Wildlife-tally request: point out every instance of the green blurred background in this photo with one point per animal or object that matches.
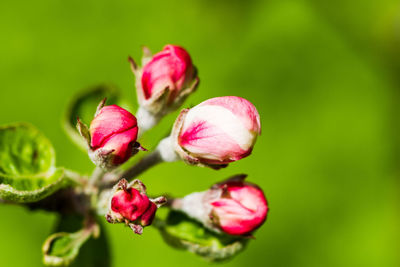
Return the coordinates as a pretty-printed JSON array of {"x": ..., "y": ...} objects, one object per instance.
[{"x": 324, "y": 76}]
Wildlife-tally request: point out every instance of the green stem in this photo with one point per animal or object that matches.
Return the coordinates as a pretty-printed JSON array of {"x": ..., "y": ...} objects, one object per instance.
[
  {"x": 144, "y": 164},
  {"x": 97, "y": 175},
  {"x": 75, "y": 177},
  {"x": 164, "y": 152}
]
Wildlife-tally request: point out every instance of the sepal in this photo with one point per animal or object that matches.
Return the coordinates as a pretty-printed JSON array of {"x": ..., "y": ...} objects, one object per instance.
[{"x": 83, "y": 130}]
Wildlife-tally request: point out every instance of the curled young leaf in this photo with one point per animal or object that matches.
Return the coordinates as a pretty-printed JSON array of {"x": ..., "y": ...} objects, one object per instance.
[
  {"x": 83, "y": 106},
  {"x": 73, "y": 246},
  {"x": 61, "y": 249},
  {"x": 27, "y": 164},
  {"x": 182, "y": 232}
]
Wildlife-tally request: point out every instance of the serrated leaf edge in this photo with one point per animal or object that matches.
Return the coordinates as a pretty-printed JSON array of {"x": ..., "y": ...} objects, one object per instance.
[{"x": 25, "y": 196}]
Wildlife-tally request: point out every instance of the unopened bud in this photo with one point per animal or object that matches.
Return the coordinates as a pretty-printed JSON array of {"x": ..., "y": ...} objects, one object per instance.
[
  {"x": 164, "y": 81},
  {"x": 234, "y": 207},
  {"x": 217, "y": 131},
  {"x": 113, "y": 134},
  {"x": 129, "y": 204}
]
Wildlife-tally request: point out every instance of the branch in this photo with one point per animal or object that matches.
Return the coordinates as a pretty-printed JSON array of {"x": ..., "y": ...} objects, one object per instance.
[
  {"x": 64, "y": 201},
  {"x": 144, "y": 164},
  {"x": 77, "y": 178},
  {"x": 164, "y": 152}
]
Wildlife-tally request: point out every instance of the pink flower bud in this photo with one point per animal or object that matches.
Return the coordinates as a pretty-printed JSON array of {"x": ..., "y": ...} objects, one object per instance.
[
  {"x": 233, "y": 206},
  {"x": 164, "y": 81},
  {"x": 171, "y": 68},
  {"x": 217, "y": 131},
  {"x": 130, "y": 204},
  {"x": 113, "y": 135},
  {"x": 241, "y": 208}
]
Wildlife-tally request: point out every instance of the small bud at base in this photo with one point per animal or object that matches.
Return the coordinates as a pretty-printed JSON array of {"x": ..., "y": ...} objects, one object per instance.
[{"x": 129, "y": 204}]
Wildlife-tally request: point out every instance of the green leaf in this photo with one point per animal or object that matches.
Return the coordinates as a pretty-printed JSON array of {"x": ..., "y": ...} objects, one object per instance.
[
  {"x": 77, "y": 248},
  {"x": 84, "y": 106},
  {"x": 94, "y": 253},
  {"x": 62, "y": 248},
  {"x": 182, "y": 232},
  {"x": 27, "y": 164}
]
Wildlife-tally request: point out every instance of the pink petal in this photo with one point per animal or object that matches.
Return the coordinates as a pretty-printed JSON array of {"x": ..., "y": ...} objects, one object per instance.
[
  {"x": 148, "y": 215},
  {"x": 122, "y": 144},
  {"x": 168, "y": 68},
  {"x": 210, "y": 143},
  {"x": 244, "y": 211},
  {"x": 110, "y": 120},
  {"x": 241, "y": 107}
]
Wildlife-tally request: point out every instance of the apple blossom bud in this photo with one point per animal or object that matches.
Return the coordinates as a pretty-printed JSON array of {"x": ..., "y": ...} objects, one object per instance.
[
  {"x": 241, "y": 208},
  {"x": 234, "y": 207},
  {"x": 171, "y": 68},
  {"x": 129, "y": 204},
  {"x": 113, "y": 134},
  {"x": 217, "y": 131},
  {"x": 163, "y": 83}
]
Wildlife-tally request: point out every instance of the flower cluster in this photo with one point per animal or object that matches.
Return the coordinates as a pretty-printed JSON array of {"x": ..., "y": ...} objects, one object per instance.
[
  {"x": 213, "y": 134},
  {"x": 214, "y": 223}
]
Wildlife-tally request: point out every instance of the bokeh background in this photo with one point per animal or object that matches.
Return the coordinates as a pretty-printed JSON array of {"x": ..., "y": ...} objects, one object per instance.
[{"x": 324, "y": 76}]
